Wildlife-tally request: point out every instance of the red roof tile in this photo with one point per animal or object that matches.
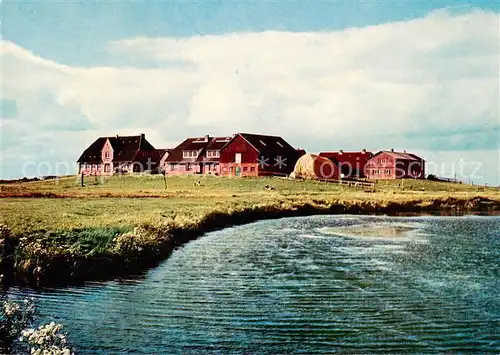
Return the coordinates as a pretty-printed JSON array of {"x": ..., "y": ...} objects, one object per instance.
[
  {"x": 125, "y": 148},
  {"x": 201, "y": 144},
  {"x": 351, "y": 158}
]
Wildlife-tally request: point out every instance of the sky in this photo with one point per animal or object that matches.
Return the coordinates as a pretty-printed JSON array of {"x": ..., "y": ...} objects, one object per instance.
[{"x": 326, "y": 75}]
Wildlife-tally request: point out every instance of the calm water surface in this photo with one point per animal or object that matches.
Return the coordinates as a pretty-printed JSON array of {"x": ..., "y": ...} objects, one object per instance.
[{"x": 302, "y": 285}]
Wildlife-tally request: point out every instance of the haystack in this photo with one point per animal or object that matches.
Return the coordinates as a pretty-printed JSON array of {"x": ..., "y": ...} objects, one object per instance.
[{"x": 314, "y": 167}]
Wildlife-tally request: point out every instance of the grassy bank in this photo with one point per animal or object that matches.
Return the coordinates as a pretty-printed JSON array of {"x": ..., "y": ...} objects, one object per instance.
[{"x": 121, "y": 225}]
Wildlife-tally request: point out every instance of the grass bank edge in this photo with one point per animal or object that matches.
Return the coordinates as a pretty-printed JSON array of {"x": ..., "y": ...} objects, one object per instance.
[{"x": 85, "y": 254}]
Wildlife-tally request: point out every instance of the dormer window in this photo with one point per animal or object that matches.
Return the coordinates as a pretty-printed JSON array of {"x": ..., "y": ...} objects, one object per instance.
[
  {"x": 189, "y": 154},
  {"x": 213, "y": 154}
]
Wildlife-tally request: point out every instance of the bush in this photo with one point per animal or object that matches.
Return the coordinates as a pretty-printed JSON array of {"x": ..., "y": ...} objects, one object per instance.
[
  {"x": 15, "y": 320},
  {"x": 46, "y": 340}
]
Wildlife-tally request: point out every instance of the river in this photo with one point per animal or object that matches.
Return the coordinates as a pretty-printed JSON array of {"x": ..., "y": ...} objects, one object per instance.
[{"x": 322, "y": 284}]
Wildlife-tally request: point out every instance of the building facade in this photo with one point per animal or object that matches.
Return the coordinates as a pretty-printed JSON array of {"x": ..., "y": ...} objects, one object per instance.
[
  {"x": 350, "y": 164},
  {"x": 119, "y": 154},
  {"x": 200, "y": 155},
  {"x": 257, "y": 155},
  {"x": 395, "y": 165}
]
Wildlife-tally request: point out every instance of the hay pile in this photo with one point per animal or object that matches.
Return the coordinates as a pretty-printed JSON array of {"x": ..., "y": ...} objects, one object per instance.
[{"x": 313, "y": 167}]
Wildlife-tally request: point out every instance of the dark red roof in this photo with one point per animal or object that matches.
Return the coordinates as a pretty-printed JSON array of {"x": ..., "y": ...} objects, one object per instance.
[
  {"x": 269, "y": 145},
  {"x": 92, "y": 155},
  {"x": 125, "y": 148},
  {"x": 218, "y": 142},
  {"x": 161, "y": 152},
  {"x": 201, "y": 144},
  {"x": 401, "y": 155},
  {"x": 351, "y": 158}
]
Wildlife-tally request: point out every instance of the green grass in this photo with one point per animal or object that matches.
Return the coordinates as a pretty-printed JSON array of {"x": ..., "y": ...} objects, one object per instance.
[
  {"x": 125, "y": 223},
  {"x": 127, "y": 201}
]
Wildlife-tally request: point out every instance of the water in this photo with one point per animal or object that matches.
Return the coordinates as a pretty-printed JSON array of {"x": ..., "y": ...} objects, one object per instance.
[{"x": 302, "y": 285}]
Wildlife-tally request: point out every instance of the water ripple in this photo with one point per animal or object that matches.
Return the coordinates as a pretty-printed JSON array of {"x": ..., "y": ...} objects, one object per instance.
[{"x": 303, "y": 285}]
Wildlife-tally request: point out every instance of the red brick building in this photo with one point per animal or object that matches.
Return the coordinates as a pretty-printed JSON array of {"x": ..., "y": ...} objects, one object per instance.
[
  {"x": 199, "y": 155},
  {"x": 351, "y": 164},
  {"x": 257, "y": 155},
  {"x": 395, "y": 165},
  {"x": 110, "y": 155}
]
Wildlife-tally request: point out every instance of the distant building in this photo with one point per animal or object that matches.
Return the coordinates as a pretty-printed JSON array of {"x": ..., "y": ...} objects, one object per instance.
[
  {"x": 118, "y": 154},
  {"x": 199, "y": 155},
  {"x": 351, "y": 164},
  {"x": 258, "y": 155},
  {"x": 395, "y": 165}
]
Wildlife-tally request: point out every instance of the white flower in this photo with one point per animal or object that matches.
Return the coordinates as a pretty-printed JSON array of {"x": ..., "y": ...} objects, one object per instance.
[{"x": 10, "y": 308}]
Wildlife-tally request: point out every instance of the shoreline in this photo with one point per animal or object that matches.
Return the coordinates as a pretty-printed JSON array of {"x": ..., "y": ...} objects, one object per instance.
[{"x": 27, "y": 262}]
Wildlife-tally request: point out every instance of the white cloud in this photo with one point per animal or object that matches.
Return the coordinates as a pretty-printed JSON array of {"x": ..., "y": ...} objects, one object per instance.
[{"x": 430, "y": 83}]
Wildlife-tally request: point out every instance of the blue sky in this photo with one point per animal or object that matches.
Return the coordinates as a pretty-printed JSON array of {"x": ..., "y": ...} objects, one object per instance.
[
  {"x": 75, "y": 32},
  {"x": 327, "y": 75}
]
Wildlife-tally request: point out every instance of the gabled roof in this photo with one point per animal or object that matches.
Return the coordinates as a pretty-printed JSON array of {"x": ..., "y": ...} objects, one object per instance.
[
  {"x": 351, "y": 158},
  {"x": 268, "y": 145},
  {"x": 201, "y": 144},
  {"x": 400, "y": 155},
  {"x": 125, "y": 148},
  {"x": 218, "y": 143},
  {"x": 162, "y": 152},
  {"x": 92, "y": 155}
]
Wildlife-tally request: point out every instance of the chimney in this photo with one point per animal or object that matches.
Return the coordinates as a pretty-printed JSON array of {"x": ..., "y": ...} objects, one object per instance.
[
  {"x": 341, "y": 151},
  {"x": 207, "y": 138},
  {"x": 404, "y": 151},
  {"x": 392, "y": 150},
  {"x": 363, "y": 151},
  {"x": 117, "y": 136},
  {"x": 143, "y": 136}
]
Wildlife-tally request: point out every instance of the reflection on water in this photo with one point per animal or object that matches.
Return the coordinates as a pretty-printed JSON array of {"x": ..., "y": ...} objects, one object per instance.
[
  {"x": 382, "y": 230},
  {"x": 302, "y": 285}
]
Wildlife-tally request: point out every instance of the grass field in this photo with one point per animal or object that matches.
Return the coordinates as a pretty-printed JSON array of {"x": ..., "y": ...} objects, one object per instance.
[
  {"x": 126, "y": 201},
  {"x": 119, "y": 224}
]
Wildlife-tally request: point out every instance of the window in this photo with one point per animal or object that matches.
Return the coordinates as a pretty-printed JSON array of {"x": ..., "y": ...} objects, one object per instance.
[
  {"x": 245, "y": 168},
  {"x": 94, "y": 167},
  {"x": 252, "y": 169},
  {"x": 106, "y": 154},
  {"x": 213, "y": 153},
  {"x": 237, "y": 158},
  {"x": 230, "y": 168},
  {"x": 190, "y": 154},
  {"x": 107, "y": 168}
]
